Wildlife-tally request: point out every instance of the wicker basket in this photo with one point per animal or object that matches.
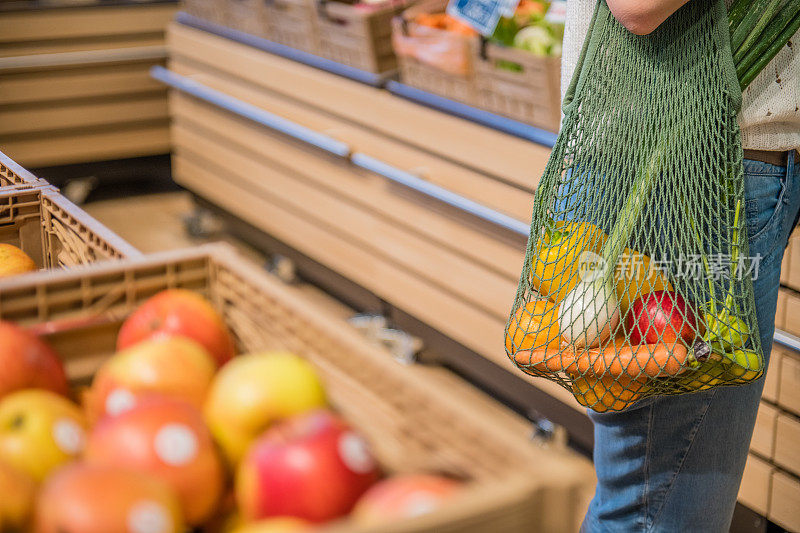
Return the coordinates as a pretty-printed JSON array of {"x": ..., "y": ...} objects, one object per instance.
[
  {"x": 246, "y": 16},
  {"x": 54, "y": 232},
  {"x": 358, "y": 35},
  {"x": 210, "y": 10},
  {"x": 293, "y": 23},
  {"x": 14, "y": 177},
  {"x": 412, "y": 424},
  {"x": 422, "y": 59},
  {"x": 529, "y": 94}
]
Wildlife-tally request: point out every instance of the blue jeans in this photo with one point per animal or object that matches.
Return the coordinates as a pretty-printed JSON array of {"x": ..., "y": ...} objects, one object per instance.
[{"x": 675, "y": 463}]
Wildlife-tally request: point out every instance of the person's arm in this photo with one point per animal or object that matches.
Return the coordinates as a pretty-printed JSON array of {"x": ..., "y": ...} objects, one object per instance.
[{"x": 643, "y": 16}]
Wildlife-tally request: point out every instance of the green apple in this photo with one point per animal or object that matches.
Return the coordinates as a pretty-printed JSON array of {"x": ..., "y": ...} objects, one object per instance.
[
  {"x": 39, "y": 431},
  {"x": 252, "y": 391}
]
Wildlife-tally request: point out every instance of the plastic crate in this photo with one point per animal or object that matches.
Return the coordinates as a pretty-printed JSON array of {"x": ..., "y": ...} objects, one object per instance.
[
  {"x": 54, "y": 232},
  {"x": 292, "y": 23},
  {"x": 529, "y": 93},
  {"x": 14, "y": 177},
  {"x": 210, "y": 10},
  {"x": 358, "y": 35},
  {"x": 434, "y": 60},
  {"x": 412, "y": 424}
]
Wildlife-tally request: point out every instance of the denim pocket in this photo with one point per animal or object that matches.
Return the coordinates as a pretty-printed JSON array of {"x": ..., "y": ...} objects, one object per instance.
[{"x": 764, "y": 187}]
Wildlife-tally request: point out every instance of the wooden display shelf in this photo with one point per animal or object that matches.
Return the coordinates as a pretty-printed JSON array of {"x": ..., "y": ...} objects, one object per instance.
[
  {"x": 455, "y": 273},
  {"x": 74, "y": 82}
]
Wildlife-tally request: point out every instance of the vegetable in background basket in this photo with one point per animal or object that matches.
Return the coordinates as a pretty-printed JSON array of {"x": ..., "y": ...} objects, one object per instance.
[{"x": 529, "y": 30}]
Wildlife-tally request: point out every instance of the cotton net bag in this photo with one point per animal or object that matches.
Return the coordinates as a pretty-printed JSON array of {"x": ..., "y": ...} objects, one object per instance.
[{"x": 637, "y": 278}]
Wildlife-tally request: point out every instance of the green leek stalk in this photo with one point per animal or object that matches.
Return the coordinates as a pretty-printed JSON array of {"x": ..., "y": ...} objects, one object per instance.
[
  {"x": 590, "y": 311},
  {"x": 752, "y": 18},
  {"x": 745, "y": 58},
  {"x": 755, "y": 32},
  {"x": 775, "y": 47},
  {"x": 736, "y": 13}
]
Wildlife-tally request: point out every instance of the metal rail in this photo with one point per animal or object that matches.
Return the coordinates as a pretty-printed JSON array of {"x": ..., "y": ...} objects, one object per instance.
[
  {"x": 439, "y": 193},
  {"x": 301, "y": 133},
  {"x": 249, "y": 111},
  {"x": 786, "y": 339}
]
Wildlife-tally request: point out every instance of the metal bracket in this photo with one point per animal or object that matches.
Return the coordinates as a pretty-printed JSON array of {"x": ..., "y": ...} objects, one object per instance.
[
  {"x": 283, "y": 268},
  {"x": 403, "y": 346},
  {"x": 545, "y": 432}
]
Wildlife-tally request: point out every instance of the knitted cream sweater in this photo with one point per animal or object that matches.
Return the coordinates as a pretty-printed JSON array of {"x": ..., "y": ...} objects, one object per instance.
[{"x": 770, "y": 116}]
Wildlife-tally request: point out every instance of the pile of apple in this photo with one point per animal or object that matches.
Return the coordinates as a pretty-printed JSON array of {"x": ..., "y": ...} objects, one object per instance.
[{"x": 175, "y": 433}]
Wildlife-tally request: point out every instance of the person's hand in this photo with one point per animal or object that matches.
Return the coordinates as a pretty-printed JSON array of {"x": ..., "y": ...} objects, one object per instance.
[{"x": 643, "y": 16}]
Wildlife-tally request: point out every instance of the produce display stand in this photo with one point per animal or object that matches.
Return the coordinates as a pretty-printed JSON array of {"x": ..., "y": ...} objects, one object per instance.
[
  {"x": 282, "y": 50},
  {"x": 445, "y": 105},
  {"x": 474, "y": 114},
  {"x": 14, "y": 177},
  {"x": 54, "y": 232},
  {"x": 357, "y": 36},
  {"x": 292, "y": 23},
  {"x": 74, "y": 83},
  {"x": 413, "y": 422},
  {"x": 531, "y": 93},
  {"x": 403, "y": 209}
]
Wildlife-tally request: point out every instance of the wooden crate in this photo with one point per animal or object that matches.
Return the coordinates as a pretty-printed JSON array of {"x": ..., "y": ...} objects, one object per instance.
[
  {"x": 293, "y": 23},
  {"x": 412, "y": 423},
  {"x": 436, "y": 61},
  {"x": 530, "y": 93},
  {"x": 14, "y": 177},
  {"x": 211, "y": 10},
  {"x": 246, "y": 16},
  {"x": 54, "y": 232},
  {"x": 358, "y": 35}
]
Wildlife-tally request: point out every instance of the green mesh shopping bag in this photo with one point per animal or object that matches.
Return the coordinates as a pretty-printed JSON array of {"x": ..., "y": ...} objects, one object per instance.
[{"x": 637, "y": 278}]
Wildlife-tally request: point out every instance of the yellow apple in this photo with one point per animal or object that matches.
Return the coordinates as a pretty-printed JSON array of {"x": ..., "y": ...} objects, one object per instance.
[
  {"x": 39, "y": 431},
  {"x": 16, "y": 505},
  {"x": 177, "y": 367},
  {"x": 252, "y": 391}
]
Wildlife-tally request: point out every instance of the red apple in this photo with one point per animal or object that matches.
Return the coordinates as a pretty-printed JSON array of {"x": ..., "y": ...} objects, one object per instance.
[
  {"x": 178, "y": 312},
  {"x": 313, "y": 466},
  {"x": 27, "y": 362},
  {"x": 404, "y": 497},
  {"x": 171, "y": 366},
  {"x": 94, "y": 499},
  {"x": 165, "y": 437},
  {"x": 664, "y": 316}
]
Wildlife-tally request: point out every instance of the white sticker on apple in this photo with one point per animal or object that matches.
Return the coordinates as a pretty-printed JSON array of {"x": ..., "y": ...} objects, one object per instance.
[
  {"x": 149, "y": 517},
  {"x": 355, "y": 453},
  {"x": 176, "y": 444},
  {"x": 68, "y": 436},
  {"x": 419, "y": 503},
  {"x": 119, "y": 401}
]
